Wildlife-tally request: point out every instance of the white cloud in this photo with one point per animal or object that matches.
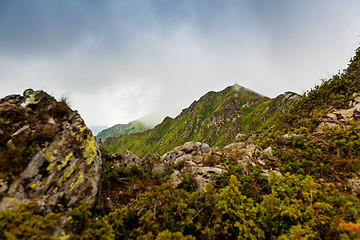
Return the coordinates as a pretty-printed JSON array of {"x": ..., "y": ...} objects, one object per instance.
[{"x": 120, "y": 60}]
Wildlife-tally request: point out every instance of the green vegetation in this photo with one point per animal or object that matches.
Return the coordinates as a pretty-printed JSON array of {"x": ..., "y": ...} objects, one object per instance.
[
  {"x": 310, "y": 200},
  {"x": 24, "y": 131},
  {"x": 216, "y": 118},
  {"x": 25, "y": 223},
  {"x": 331, "y": 154},
  {"x": 293, "y": 207},
  {"x": 124, "y": 129}
]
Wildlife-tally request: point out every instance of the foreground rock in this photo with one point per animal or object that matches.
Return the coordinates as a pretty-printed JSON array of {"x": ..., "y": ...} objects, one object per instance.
[
  {"x": 205, "y": 165},
  {"x": 339, "y": 118},
  {"x": 59, "y": 163}
]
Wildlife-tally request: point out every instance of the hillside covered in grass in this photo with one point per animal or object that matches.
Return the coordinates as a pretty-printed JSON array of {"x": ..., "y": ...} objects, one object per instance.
[
  {"x": 124, "y": 129},
  {"x": 297, "y": 177},
  {"x": 217, "y": 118}
]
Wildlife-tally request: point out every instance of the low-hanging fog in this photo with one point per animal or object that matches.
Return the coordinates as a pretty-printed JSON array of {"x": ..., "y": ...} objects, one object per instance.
[{"x": 117, "y": 61}]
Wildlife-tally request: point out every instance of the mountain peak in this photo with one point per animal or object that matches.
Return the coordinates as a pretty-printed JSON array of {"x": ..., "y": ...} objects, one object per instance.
[{"x": 237, "y": 87}]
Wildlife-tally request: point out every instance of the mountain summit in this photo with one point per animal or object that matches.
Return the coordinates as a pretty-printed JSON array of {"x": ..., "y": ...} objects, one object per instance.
[
  {"x": 136, "y": 126},
  {"x": 291, "y": 170},
  {"x": 216, "y": 118}
]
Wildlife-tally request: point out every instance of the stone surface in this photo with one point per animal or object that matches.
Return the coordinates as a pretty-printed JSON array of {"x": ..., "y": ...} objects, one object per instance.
[
  {"x": 268, "y": 152},
  {"x": 176, "y": 178},
  {"x": 354, "y": 184},
  {"x": 64, "y": 170},
  {"x": 322, "y": 125},
  {"x": 205, "y": 148},
  {"x": 129, "y": 159},
  {"x": 159, "y": 168}
]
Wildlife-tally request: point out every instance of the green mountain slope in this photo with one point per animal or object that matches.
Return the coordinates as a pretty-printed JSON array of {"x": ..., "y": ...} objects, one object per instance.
[
  {"x": 123, "y": 129},
  {"x": 297, "y": 178},
  {"x": 216, "y": 118},
  {"x": 320, "y": 134}
]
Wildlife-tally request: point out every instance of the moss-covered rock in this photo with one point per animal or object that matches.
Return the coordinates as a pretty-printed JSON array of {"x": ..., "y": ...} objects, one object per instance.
[{"x": 58, "y": 163}]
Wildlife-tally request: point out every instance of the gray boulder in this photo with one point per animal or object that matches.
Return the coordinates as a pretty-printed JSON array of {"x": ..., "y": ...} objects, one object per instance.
[{"x": 67, "y": 167}]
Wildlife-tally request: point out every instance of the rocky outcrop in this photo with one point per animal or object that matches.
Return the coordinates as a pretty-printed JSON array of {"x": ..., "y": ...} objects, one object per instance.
[
  {"x": 191, "y": 158},
  {"x": 338, "y": 117},
  {"x": 59, "y": 163},
  {"x": 198, "y": 160}
]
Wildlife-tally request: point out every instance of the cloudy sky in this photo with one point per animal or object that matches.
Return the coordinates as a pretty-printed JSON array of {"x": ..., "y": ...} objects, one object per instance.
[{"x": 118, "y": 60}]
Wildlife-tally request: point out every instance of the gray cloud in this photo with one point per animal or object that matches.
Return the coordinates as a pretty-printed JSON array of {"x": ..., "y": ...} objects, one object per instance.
[{"x": 120, "y": 60}]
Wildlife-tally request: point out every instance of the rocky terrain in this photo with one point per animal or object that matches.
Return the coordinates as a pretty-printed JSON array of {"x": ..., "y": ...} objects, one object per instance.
[
  {"x": 234, "y": 165},
  {"x": 216, "y": 118},
  {"x": 136, "y": 126},
  {"x": 48, "y": 155}
]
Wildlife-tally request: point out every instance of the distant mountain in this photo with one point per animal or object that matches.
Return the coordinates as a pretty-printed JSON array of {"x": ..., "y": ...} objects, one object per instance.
[
  {"x": 217, "y": 118},
  {"x": 291, "y": 170},
  {"x": 136, "y": 126}
]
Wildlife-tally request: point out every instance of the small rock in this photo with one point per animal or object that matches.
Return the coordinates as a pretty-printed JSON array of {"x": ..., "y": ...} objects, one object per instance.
[
  {"x": 267, "y": 173},
  {"x": 197, "y": 158},
  {"x": 357, "y": 107},
  {"x": 321, "y": 126},
  {"x": 11, "y": 203},
  {"x": 24, "y": 128},
  {"x": 184, "y": 158},
  {"x": 188, "y": 147},
  {"x": 3, "y": 186},
  {"x": 286, "y": 136},
  {"x": 277, "y": 173},
  {"x": 205, "y": 148},
  {"x": 355, "y": 185},
  {"x": 346, "y": 114},
  {"x": 261, "y": 162},
  {"x": 159, "y": 168},
  {"x": 129, "y": 159},
  {"x": 268, "y": 152},
  {"x": 235, "y": 145},
  {"x": 51, "y": 121},
  {"x": 332, "y": 116},
  {"x": 239, "y": 136},
  {"x": 251, "y": 147},
  {"x": 197, "y": 144},
  {"x": 176, "y": 179}
]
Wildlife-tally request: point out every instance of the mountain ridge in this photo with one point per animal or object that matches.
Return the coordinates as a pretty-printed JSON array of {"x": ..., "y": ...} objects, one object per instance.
[
  {"x": 139, "y": 125},
  {"x": 214, "y": 118},
  {"x": 295, "y": 175}
]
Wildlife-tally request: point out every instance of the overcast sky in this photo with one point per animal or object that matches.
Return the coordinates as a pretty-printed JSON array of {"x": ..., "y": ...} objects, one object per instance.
[{"x": 118, "y": 60}]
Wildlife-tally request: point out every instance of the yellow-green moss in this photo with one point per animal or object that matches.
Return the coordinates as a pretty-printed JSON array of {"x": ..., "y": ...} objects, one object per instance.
[
  {"x": 90, "y": 152},
  {"x": 82, "y": 128},
  {"x": 64, "y": 163},
  {"x": 70, "y": 171},
  {"x": 31, "y": 98},
  {"x": 47, "y": 156},
  {"x": 60, "y": 181},
  {"x": 50, "y": 166},
  {"x": 78, "y": 181}
]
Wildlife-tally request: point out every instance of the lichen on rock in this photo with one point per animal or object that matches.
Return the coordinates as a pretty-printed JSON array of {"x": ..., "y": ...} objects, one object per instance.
[{"x": 64, "y": 164}]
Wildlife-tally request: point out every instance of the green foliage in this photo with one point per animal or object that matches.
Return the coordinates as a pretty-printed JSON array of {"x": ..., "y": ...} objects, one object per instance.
[
  {"x": 134, "y": 204},
  {"x": 81, "y": 225},
  {"x": 238, "y": 213},
  {"x": 164, "y": 212},
  {"x": 136, "y": 126},
  {"x": 24, "y": 223},
  {"x": 26, "y": 129},
  {"x": 196, "y": 123}
]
